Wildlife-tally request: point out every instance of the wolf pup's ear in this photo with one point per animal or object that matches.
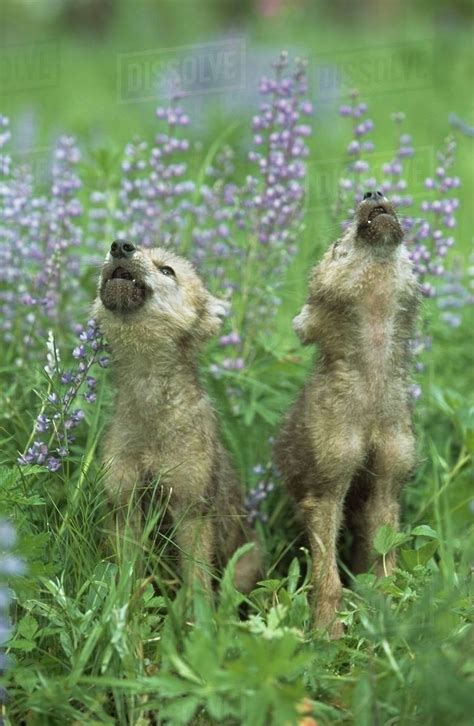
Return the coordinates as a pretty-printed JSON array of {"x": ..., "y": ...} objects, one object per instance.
[{"x": 215, "y": 310}]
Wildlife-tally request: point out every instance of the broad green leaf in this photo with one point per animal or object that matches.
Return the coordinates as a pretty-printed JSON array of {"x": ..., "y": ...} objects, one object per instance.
[
  {"x": 293, "y": 575},
  {"x": 276, "y": 616},
  {"x": 170, "y": 686},
  {"x": 425, "y": 530},
  {"x": 362, "y": 707},
  {"x": 229, "y": 597},
  {"x": 414, "y": 557},
  {"x": 218, "y": 707},
  {"x": 271, "y": 585},
  {"x": 387, "y": 539},
  {"x": 28, "y": 627},
  {"x": 184, "y": 670},
  {"x": 25, "y": 678},
  {"x": 23, "y": 644},
  {"x": 181, "y": 710}
]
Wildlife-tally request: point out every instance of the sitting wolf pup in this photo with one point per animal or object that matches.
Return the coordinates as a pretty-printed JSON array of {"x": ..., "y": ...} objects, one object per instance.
[
  {"x": 347, "y": 443},
  {"x": 156, "y": 314}
]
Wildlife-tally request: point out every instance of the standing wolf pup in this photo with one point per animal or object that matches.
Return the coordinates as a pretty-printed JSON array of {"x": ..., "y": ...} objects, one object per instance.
[
  {"x": 156, "y": 314},
  {"x": 347, "y": 442}
]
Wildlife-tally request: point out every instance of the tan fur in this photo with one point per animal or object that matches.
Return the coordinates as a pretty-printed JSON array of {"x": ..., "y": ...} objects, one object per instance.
[
  {"x": 347, "y": 442},
  {"x": 163, "y": 427}
]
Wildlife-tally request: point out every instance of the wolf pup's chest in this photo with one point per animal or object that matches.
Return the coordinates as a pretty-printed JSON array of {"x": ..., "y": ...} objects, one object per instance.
[{"x": 376, "y": 301}]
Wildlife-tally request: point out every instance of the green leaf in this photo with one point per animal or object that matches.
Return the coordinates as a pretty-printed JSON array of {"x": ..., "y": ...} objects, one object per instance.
[
  {"x": 180, "y": 711},
  {"x": 424, "y": 530},
  {"x": 34, "y": 545},
  {"x": 184, "y": 670},
  {"x": 412, "y": 558},
  {"x": 22, "y": 644},
  {"x": 426, "y": 552},
  {"x": 271, "y": 585},
  {"x": 269, "y": 416},
  {"x": 229, "y": 597},
  {"x": 7, "y": 477},
  {"x": 28, "y": 627},
  {"x": 218, "y": 707},
  {"x": 293, "y": 576},
  {"x": 285, "y": 598},
  {"x": 300, "y": 612},
  {"x": 33, "y": 469},
  {"x": 387, "y": 539},
  {"x": 276, "y": 616},
  {"x": 26, "y": 678},
  {"x": 170, "y": 686},
  {"x": 362, "y": 702},
  {"x": 440, "y": 400},
  {"x": 66, "y": 642},
  {"x": 469, "y": 441},
  {"x": 366, "y": 580},
  {"x": 256, "y": 709}
]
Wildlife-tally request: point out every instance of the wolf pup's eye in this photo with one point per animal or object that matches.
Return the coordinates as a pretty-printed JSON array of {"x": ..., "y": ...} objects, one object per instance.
[{"x": 167, "y": 271}]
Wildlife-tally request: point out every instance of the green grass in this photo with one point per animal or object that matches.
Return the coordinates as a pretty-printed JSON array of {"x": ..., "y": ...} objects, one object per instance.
[
  {"x": 106, "y": 639},
  {"x": 106, "y": 634}
]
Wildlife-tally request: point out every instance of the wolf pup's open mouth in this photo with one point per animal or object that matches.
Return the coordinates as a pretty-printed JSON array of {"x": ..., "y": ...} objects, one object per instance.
[
  {"x": 376, "y": 211},
  {"x": 121, "y": 292},
  {"x": 377, "y": 223},
  {"x": 120, "y": 273}
]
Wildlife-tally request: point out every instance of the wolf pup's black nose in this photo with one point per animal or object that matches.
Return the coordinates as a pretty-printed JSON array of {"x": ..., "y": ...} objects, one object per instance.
[
  {"x": 373, "y": 195},
  {"x": 121, "y": 248}
]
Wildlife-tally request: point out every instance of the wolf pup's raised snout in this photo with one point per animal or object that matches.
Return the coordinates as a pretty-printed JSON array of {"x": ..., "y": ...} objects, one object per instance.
[
  {"x": 346, "y": 446},
  {"x": 377, "y": 222},
  {"x": 122, "y": 248},
  {"x": 373, "y": 195},
  {"x": 156, "y": 314}
]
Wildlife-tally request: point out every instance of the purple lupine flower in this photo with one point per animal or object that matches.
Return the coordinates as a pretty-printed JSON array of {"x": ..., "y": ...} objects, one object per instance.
[
  {"x": 427, "y": 242},
  {"x": 415, "y": 391},
  {"x": 39, "y": 236},
  {"x": 429, "y": 237},
  {"x": 232, "y": 338},
  {"x": 59, "y": 233},
  {"x": 155, "y": 196},
  {"x": 233, "y": 364},
  {"x": 259, "y": 493},
  {"x": 454, "y": 294},
  {"x": 157, "y": 201},
  {"x": 216, "y": 215},
  {"x": 273, "y": 194},
  {"x": 58, "y": 417},
  {"x": 43, "y": 423},
  {"x": 53, "y": 464},
  {"x": 427, "y": 233}
]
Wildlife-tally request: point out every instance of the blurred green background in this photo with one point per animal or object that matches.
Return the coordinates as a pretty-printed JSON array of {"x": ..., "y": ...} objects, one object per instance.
[{"x": 65, "y": 66}]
